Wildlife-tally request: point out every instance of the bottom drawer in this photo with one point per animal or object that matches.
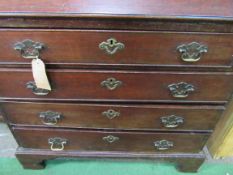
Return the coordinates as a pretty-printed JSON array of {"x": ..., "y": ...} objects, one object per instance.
[{"x": 84, "y": 140}]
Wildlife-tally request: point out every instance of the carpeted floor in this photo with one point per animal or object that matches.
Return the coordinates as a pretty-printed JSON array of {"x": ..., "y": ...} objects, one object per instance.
[{"x": 10, "y": 166}]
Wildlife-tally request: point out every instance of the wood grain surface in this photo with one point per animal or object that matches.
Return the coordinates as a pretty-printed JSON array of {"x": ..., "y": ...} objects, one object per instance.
[
  {"x": 149, "y": 8},
  {"x": 141, "y": 48},
  {"x": 136, "y": 86},
  {"x": 131, "y": 117},
  {"x": 93, "y": 140}
]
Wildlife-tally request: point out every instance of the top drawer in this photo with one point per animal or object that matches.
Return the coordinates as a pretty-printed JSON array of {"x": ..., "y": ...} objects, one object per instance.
[{"x": 121, "y": 48}]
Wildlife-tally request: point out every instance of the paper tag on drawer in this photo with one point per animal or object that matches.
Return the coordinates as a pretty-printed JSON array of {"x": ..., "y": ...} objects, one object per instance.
[{"x": 39, "y": 74}]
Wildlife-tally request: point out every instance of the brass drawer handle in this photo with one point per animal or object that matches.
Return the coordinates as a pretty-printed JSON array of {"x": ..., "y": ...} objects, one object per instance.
[
  {"x": 111, "y": 83},
  {"x": 110, "y": 138},
  {"x": 192, "y": 52},
  {"x": 57, "y": 143},
  {"x": 110, "y": 114},
  {"x": 29, "y": 49},
  {"x": 37, "y": 91},
  {"x": 172, "y": 121},
  {"x": 163, "y": 145},
  {"x": 181, "y": 90},
  {"x": 50, "y": 117},
  {"x": 111, "y": 46}
]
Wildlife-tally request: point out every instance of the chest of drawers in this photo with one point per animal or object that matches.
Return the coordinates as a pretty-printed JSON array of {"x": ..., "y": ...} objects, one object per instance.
[{"x": 130, "y": 79}]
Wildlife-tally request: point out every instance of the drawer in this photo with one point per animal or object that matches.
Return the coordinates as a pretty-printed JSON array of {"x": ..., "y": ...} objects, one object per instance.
[
  {"x": 121, "y": 47},
  {"x": 109, "y": 141},
  {"x": 130, "y": 117},
  {"x": 120, "y": 86}
]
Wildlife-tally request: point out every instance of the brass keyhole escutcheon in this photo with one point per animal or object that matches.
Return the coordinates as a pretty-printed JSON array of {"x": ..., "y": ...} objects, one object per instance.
[
  {"x": 172, "y": 121},
  {"x": 111, "y": 83},
  {"x": 111, "y": 46},
  {"x": 110, "y": 114},
  {"x": 111, "y": 138},
  {"x": 163, "y": 145}
]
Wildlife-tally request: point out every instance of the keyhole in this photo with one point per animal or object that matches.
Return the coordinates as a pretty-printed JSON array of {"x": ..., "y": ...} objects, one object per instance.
[{"x": 111, "y": 42}]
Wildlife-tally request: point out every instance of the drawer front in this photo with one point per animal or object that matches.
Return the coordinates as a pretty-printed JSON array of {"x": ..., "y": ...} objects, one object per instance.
[
  {"x": 121, "y": 85},
  {"x": 122, "y": 48},
  {"x": 109, "y": 141},
  {"x": 131, "y": 117}
]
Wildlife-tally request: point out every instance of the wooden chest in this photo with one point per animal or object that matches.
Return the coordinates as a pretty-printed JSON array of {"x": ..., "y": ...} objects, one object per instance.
[{"x": 130, "y": 79}]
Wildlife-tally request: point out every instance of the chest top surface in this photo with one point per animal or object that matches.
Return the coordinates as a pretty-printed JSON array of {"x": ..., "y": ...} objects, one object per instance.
[{"x": 194, "y": 9}]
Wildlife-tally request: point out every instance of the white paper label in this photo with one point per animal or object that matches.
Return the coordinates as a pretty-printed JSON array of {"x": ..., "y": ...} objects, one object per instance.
[{"x": 39, "y": 74}]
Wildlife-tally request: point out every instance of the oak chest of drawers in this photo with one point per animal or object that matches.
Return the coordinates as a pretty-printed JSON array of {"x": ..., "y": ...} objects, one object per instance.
[{"x": 129, "y": 79}]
